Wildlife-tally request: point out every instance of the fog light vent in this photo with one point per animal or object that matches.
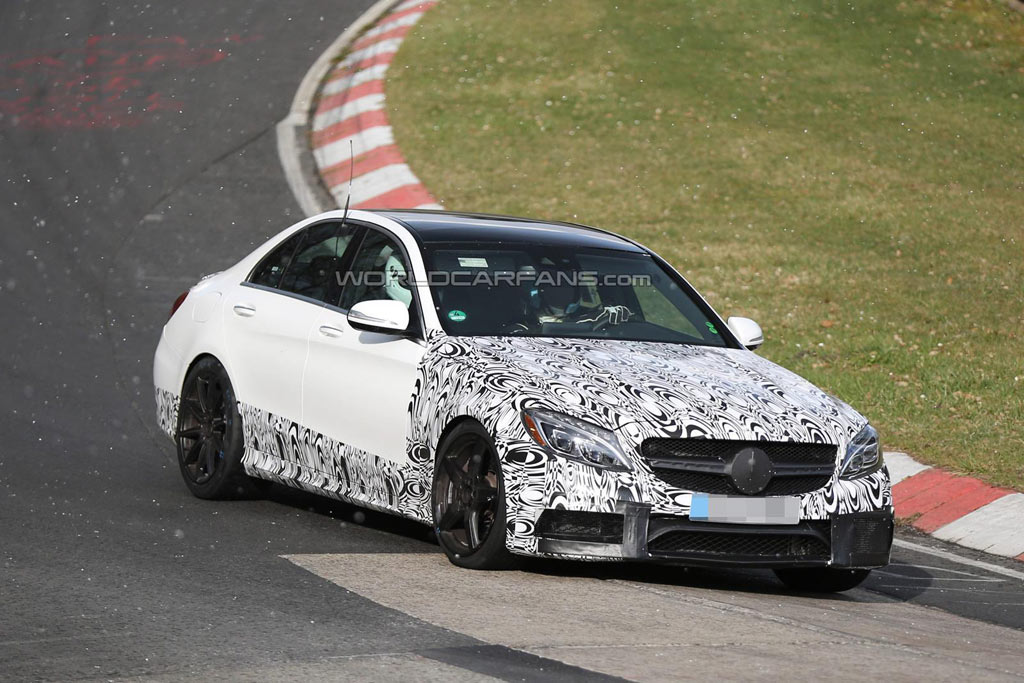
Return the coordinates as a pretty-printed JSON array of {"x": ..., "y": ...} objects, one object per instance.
[
  {"x": 570, "y": 525},
  {"x": 870, "y": 536}
]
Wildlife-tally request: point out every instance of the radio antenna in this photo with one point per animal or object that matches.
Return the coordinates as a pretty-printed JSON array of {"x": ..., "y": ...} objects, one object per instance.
[{"x": 351, "y": 172}]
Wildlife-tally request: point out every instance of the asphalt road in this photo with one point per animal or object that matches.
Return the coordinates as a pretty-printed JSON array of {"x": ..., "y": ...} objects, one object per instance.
[{"x": 138, "y": 153}]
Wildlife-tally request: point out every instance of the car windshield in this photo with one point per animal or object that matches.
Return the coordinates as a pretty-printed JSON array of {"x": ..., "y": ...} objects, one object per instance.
[{"x": 548, "y": 291}]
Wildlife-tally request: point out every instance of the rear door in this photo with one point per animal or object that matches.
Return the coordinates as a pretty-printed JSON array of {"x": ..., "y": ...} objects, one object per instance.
[{"x": 268, "y": 317}]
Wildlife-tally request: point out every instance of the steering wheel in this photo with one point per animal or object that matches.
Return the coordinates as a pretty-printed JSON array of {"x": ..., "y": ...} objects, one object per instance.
[{"x": 620, "y": 314}]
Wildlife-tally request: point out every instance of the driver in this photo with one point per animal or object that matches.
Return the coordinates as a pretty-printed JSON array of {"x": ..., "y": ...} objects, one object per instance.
[{"x": 559, "y": 298}]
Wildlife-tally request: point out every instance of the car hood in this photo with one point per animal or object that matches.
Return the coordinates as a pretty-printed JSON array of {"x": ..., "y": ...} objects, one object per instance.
[{"x": 672, "y": 389}]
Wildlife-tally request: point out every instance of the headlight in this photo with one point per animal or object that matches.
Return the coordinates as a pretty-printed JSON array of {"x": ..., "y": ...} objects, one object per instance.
[
  {"x": 863, "y": 455},
  {"x": 575, "y": 439}
]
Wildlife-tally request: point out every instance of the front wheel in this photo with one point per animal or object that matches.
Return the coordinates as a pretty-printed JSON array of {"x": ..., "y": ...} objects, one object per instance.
[
  {"x": 822, "y": 579},
  {"x": 469, "y": 500}
]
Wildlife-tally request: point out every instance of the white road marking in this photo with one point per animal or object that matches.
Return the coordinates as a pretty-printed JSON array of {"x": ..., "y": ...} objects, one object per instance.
[
  {"x": 891, "y": 568},
  {"x": 952, "y": 557}
]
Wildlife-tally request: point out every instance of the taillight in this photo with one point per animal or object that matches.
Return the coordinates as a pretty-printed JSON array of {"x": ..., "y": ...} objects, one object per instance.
[{"x": 177, "y": 303}]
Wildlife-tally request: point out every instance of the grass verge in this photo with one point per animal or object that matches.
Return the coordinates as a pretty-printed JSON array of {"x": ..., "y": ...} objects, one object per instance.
[{"x": 851, "y": 175}]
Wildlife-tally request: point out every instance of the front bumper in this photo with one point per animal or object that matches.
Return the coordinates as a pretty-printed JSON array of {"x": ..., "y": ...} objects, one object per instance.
[{"x": 861, "y": 539}]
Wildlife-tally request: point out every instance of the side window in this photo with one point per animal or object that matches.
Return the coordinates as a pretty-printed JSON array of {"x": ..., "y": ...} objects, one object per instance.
[
  {"x": 313, "y": 271},
  {"x": 269, "y": 271},
  {"x": 379, "y": 272}
]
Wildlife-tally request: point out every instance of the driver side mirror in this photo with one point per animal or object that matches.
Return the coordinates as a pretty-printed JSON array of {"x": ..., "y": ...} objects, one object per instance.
[
  {"x": 385, "y": 316},
  {"x": 747, "y": 331}
]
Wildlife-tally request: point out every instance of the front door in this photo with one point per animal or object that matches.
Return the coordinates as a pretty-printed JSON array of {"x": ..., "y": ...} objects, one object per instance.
[{"x": 358, "y": 385}]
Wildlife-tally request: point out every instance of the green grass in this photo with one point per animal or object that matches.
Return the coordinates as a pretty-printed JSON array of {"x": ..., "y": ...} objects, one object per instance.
[{"x": 851, "y": 175}]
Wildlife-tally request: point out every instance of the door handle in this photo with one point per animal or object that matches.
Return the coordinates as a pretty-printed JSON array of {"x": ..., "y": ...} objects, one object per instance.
[
  {"x": 329, "y": 331},
  {"x": 244, "y": 310}
]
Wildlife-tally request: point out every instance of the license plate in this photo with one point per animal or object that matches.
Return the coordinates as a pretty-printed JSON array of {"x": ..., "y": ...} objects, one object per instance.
[{"x": 739, "y": 510}]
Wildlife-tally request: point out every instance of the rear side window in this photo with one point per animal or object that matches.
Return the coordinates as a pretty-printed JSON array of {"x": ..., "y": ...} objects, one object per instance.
[
  {"x": 269, "y": 271},
  {"x": 314, "y": 268}
]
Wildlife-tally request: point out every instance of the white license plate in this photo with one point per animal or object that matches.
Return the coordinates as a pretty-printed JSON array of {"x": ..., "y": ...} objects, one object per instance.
[{"x": 740, "y": 510}]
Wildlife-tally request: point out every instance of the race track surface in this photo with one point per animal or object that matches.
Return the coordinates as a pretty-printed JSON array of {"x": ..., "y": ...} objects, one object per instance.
[{"x": 138, "y": 153}]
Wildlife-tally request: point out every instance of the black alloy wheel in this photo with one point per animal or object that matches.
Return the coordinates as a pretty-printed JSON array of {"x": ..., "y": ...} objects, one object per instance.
[
  {"x": 468, "y": 500},
  {"x": 209, "y": 433}
]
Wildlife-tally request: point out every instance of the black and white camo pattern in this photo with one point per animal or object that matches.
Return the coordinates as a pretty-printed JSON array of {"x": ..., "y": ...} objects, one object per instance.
[
  {"x": 167, "y": 411},
  {"x": 282, "y": 450},
  {"x": 639, "y": 389}
]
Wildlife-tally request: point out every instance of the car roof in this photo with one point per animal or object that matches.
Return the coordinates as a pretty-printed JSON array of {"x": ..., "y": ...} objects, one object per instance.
[{"x": 435, "y": 227}]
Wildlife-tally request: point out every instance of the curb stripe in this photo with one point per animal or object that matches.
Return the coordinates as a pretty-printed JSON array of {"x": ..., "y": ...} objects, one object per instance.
[
  {"x": 409, "y": 4},
  {"x": 349, "y": 109},
  {"x": 352, "y": 108},
  {"x": 338, "y": 152},
  {"x": 342, "y": 72},
  {"x": 348, "y": 128},
  {"x": 353, "y": 93},
  {"x": 994, "y": 528},
  {"x": 397, "y": 32},
  {"x": 948, "y": 499},
  {"x": 373, "y": 73},
  {"x": 375, "y": 183},
  {"x": 962, "y": 510},
  {"x": 974, "y": 496},
  {"x": 902, "y": 466},
  {"x": 408, "y": 196},
  {"x": 397, "y": 19},
  {"x": 378, "y": 158},
  {"x": 384, "y": 47}
]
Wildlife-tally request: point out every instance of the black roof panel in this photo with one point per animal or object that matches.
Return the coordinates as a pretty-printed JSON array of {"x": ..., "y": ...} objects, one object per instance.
[{"x": 432, "y": 227}]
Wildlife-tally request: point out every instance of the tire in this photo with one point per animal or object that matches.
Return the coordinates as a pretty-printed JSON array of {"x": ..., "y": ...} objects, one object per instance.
[
  {"x": 209, "y": 434},
  {"x": 822, "y": 579},
  {"x": 468, "y": 493}
]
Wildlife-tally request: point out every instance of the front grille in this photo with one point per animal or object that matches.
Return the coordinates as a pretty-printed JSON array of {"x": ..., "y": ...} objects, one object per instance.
[
  {"x": 749, "y": 546},
  {"x": 702, "y": 464},
  {"x": 780, "y": 452},
  {"x": 717, "y": 483}
]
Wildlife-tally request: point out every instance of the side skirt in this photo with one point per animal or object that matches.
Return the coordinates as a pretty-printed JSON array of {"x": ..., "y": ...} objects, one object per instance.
[{"x": 281, "y": 450}]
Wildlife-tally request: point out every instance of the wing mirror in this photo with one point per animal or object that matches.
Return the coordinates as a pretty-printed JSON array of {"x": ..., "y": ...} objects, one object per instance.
[
  {"x": 747, "y": 331},
  {"x": 381, "y": 315}
]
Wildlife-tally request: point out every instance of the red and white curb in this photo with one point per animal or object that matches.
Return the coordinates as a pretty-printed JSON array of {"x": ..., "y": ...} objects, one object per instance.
[
  {"x": 962, "y": 510},
  {"x": 351, "y": 110}
]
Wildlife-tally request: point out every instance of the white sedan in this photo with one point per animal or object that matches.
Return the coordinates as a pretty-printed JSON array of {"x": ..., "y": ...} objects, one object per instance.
[{"x": 527, "y": 388}]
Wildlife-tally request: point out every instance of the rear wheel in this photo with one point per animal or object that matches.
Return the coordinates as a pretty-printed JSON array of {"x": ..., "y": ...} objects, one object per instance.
[
  {"x": 209, "y": 434},
  {"x": 469, "y": 500},
  {"x": 822, "y": 579}
]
